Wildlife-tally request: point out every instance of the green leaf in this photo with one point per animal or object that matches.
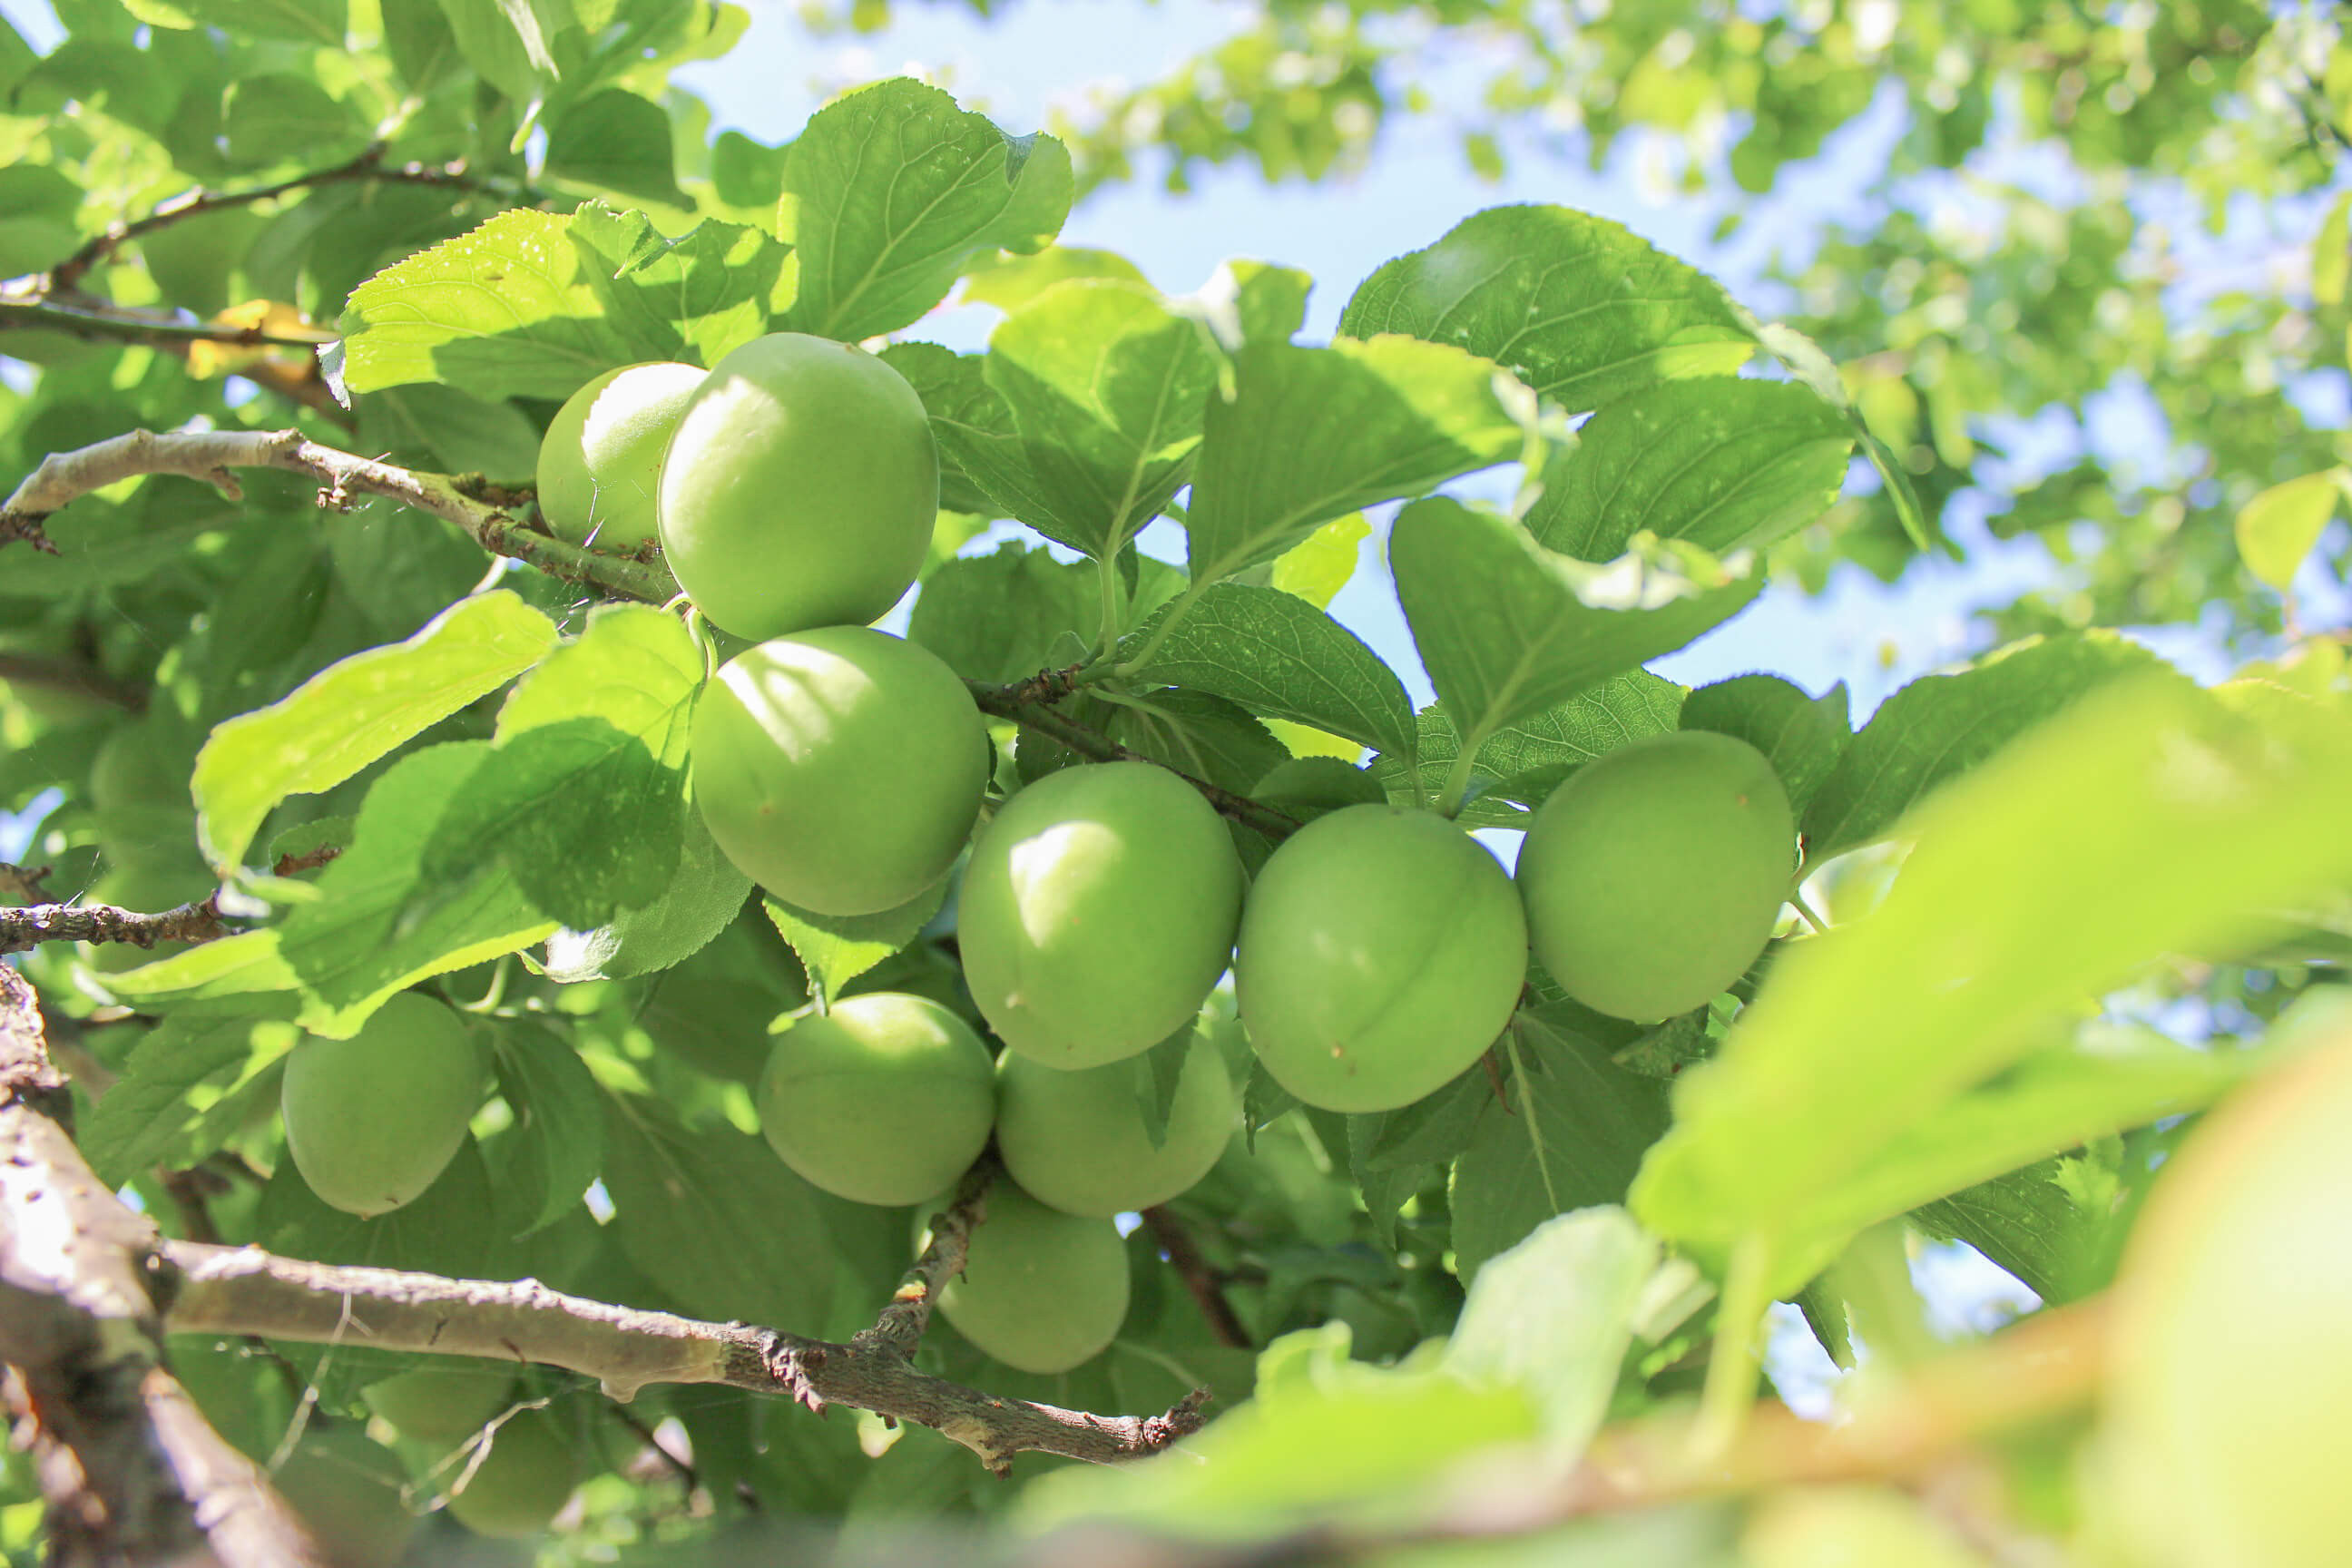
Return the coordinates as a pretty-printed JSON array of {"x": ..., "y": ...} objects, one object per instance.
[
  {"x": 704, "y": 898},
  {"x": 175, "y": 1076},
  {"x": 356, "y": 711},
  {"x": 1157, "y": 1073},
  {"x": 295, "y": 21},
  {"x": 502, "y": 40},
  {"x": 278, "y": 117},
  {"x": 1253, "y": 303},
  {"x": 1311, "y": 434},
  {"x": 1577, "y": 306},
  {"x": 618, "y": 140},
  {"x": 890, "y": 190},
  {"x": 2279, "y": 527},
  {"x": 1009, "y": 282},
  {"x": 1005, "y": 615},
  {"x": 982, "y": 454},
  {"x": 416, "y": 35},
  {"x": 693, "y": 298},
  {"x": 1519, "y": 764},
  {"x": 713, "y": 1219},
  {"x": 556, "y": 1146},
  {"x": 365, "y": 938},
  {"x": 1571, "y": 1137},
  {"x": 1194, "y": 732},
  {"x": 2331, "y": 253},
  {"x": 1554, "y": 1317},
  {"x": 2024, "y": 1221},
  {"x": 448, "y": 1229},
  {"x": 1430, "y": 1132},
  {"x": 1812, "y": 365},
  {"x": 1803, "y": 736},
  {"x": 1850, "y": 1090},
  {"x": 1280, "y": 657},
  {"x": 581, "y": 798},
  {"x": 1263, "y": 1100},
  {"x": 1319, "y": 567},
  {"x": 1106, "y": 388},
  {"x": 1724, "y": 463},
  {"x": 512, "y": 308},
  {"x": 837, "y": 949},
  {"x": 1940, "y": 726},
  {"x": 447, "y": 429},
  {"x": 1507, "y": 629}
]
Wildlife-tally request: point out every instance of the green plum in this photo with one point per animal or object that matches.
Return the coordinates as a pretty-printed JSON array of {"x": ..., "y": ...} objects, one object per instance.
[
  {"x": 1381, "y": 953},
  {"x": 1654, "y": 876},
  {"x": 1098, "y": 909},
  {"x": 2228, "y": 1375},
  {"x": 522, "y": 1483},
  {"x": 373, "y": 1119},
  {"x": 600, "y": 462},
  {"x": 884, "y": 1099},
  {"x": 1041, "y": 1290},
  {"x": 1075, "y": 1141},
  {"x": 347, "y": 1488},
  {"x": 444, "y": 1400},
  {"x": 841, "y": 769},
  {"x": 801, "y": 488}
]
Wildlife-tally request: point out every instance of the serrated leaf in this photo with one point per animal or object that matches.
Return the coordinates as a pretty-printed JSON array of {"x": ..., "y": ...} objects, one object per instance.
[
  {"x": 1576, "y": 306},
  {"x": 581, "y": 798},
  {"x": 1311, "y": 434},
  {"x": 2024, "y": 1221},
  {"x": 1005, "y": 615},
  {"x": 1432, "y": 1130},
  {"x": 1280, "y": 657},
  {"x": 1571, "y": 1137},
  {"x": 692, "y": 298},
  {"x": 556, "y": 1146},
  {"x": 1812, "y": 365},
  {"x": 1724, "y": 463},
  {"x": 1665, "y": 1051},
  {"x": 1917, "y": 1047},
  {"x": 510, "y": 309},
  {"x": 1507, "y": 629},
  {"x": 1519, "y": 764},
  {"x": 980, "y": 451},
  {"x": 176, "y": 1075},
  {"x": 1802, "y": 736},
  {"x": 703, "y": 899},
  {"x": 837, "y": 949},
  {"x": 890, "y": 190},
  {"x": 1940, "y": 726},
  {"x": 1263, "y": 1100},
  {"x": 713, "y": 1219},
  {"x": 1194, "y": 732},
  {"x": 355, "y": 711},
  {"x": 1157, "y": 1073},
  {"x": 2279, "y": 527},
  {"x": 1106, "y": 388},
  {"x": 616, "y": 139}
]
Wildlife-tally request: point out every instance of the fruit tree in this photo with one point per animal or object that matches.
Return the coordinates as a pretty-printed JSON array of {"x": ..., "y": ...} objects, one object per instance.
[{"x": 607, "y": 824}]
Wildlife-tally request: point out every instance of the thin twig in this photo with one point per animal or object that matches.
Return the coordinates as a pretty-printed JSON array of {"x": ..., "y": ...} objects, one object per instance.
[
  {"x": 1200, "y": 1278},
  {"x": 681, "y": 1469},
  {"x": 899, "y": 1328},
  {"x": 23, "y": 883},
  {"x": 73, "y": 678},
  {"x": 22, "y": 311}
]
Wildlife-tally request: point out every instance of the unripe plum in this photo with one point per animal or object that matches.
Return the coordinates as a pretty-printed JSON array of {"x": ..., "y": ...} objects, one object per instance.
[
  {"x": 1654, "y": 876},
  {"x": 347, "y": 1488},
  {"x": 1075, "y": 1141},
  {"x": 2231, "y": 1378},
  {"x": 600, "y": 462},
  {"x": 371, "y": 1122},
  {"x": 801, "y": 488},
  {"x": 522, "y": 1483},
  {"x": 444, "y": 1401},
  {"x": 1097, "y": 912},
  {"x": 884, "y": 1099},
  {"x": 1041, "y": 1290},
  {"x": 1381, "y": 953},
  {"x": 840, "y": 769}
]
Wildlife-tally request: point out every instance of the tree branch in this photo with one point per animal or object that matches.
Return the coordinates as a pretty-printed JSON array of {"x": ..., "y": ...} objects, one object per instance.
[
  {"x": 1184, "y": 1257},
  {"x": 73, "y": 678},
  {"x": 128, "y": 1470},
  {"x": 23, "y": 883},
  {"x": 369, "y": 165},
  {"x": 29, "y": 927},
  {"x": 24, "y": 311}
]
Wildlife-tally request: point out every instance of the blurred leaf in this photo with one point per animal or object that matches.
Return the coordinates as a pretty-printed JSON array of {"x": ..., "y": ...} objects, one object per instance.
[
  {"x": 712, "y": 1217},
  {"x": 1724, "y": 463},
  {"x": 1280, "y": 657},
  {"x": 837, "y": 949},
  {"x": 1105, "y": 388},
  {"x": 556, "y": 1146},
  {"x": 581, "y": 797},
  {"x": 895, "y": 188},
  {"x": 618, "y": 140},
  {"x": 1856, "y": 1085},
  {"x": 179, "y": 1070},
  {"x": 2024, "y": 1221},
  {"x": 278, "y": 117},
  {"x": 1005, "y": 615},
  {"x": 1507, "y": 629},
  {"x": 1318, "y": 567},
  {"x": 1803, "y": 736},
  {"x": 1253, "y": 303},
  {"x": 1576, "y": 306},
  {"x": 501, "y": 40},
  {"x": 1312, "y": 434},
  {"x": 1432, "y": 1130},
  {"x": 356, "y": 711},
  {"x": 2279, "y": 527},
  {"x": 1157, "y": 1073},
  {"x": 2331, "y": 253},
  {"x": 1009, "y": 282},
  {"x": 1571, "y": 1137},
  {"x": 1942, "y": 726}
]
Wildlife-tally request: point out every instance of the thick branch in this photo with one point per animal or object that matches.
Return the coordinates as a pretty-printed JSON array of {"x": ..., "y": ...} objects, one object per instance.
[
  {"x": 26, "y": 928},
  {"x": 369, "y": 165},
  {"x": 214, "y": 457}
]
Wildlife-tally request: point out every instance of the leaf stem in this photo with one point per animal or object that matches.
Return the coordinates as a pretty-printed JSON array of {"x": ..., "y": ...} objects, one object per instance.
[
  {"x": 1730, "y": 1385},
  {"x": 1527, "y": 1106},
  {"x": 1177, "y": 608},
  {"x": 1805, "y": 913},
  {"x": 1114, "y": 607},
  {"x": 1457, "y": 782}
]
